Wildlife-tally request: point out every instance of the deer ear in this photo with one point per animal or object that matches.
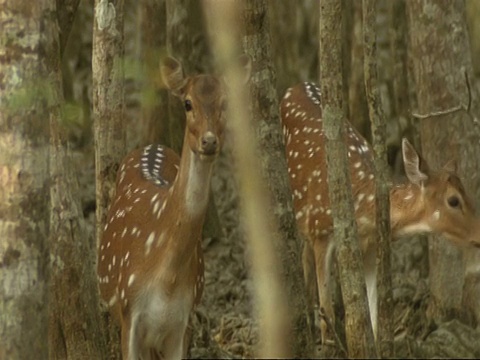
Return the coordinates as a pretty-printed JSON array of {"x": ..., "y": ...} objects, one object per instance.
[
  {"x": 173, "y": 76},
  {"x": 415, "y": 167},
  {"x": 246, "y": 65},
  {"x": 451, "y": 166}
]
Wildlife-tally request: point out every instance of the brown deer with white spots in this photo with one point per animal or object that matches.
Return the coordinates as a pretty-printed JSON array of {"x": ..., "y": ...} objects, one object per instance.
[
  {"x": 429, "y": 202},
  {"x": 150, "y": 261}
]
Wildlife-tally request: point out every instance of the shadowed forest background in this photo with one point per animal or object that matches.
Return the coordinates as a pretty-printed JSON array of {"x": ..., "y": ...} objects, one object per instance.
[{"x": 80, "y": 89}]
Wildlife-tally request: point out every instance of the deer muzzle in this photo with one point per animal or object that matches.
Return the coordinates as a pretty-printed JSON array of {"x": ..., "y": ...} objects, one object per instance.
[{"x": 209, "y": 143}]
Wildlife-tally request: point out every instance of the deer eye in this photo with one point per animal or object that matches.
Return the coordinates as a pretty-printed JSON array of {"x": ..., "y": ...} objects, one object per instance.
[
  {"x": 453, "y": 201},
  {"x": 188, "y": 105}
]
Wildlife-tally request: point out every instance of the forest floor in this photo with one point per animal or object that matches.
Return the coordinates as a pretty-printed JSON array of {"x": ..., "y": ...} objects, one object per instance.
[{"x": 223, "y": 325}]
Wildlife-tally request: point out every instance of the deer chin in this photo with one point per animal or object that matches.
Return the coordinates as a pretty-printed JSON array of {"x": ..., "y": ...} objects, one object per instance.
[{"x": 207, "y": 157}]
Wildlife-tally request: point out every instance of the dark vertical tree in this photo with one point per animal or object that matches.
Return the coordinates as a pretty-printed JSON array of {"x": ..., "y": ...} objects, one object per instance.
[
  {"x": 357, "y": 101},
  {"x": 271, "y": 305},
  {"x": 66, "y": 11},
  {"x": 153, "y": 19},
  {"x": 447, "y": 109},
  {"x": 382, "y": 179},
  {"x": 26, "y": 105},
  {"x": 257, "y": 44},
  {"x": 360, "y": 341},
  {"x": 74, "y": 318},
  {"x": 75, "y": 329},
  {"x": 294, "y": 37},
  {"x": 108, "y": 111}
]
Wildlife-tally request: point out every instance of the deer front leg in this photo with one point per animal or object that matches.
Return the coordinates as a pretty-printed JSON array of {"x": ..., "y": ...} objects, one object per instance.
[
  {"x": 308, "y": 262},
  {"x": 130, "y": 350},
  {"x": 323, "y": 251},
  {"x": 370, "y": 268}
]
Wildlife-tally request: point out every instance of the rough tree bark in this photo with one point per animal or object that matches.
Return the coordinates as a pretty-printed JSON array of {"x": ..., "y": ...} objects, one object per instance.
[
  {"x": 74, "y": 318},
  {"x": 108, "y": 101},
  {"x": 108, "y": 112},
  {"x": 382, "y": 180},
  {"x": 66, "y": 10},
  {"x": 257, "y": 44},
  {"x": 26, "y": 41},
  {"x": 439, "y": 43},
  {"x": 271, "y": 304},
  {"x": 357, "y": 101},
  {"x": 360, "y": 341},
  {"x": 294, "y": 36},
  {"x": 75, "y": 329}
]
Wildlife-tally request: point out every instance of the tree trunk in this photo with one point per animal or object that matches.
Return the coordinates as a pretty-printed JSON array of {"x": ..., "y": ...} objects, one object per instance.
[
  {"x": 66, "y": 10},
  {"x": 25, "y": 78},
  {"x": 74, "y": 320},
  {"x": 382, "y": 180},
  {"x": 108, "y": 101},
  {"x": 271, "y": 305},
  {"x": 357, "y": 101},
  {"x": 75, "y": 329},
  {"x": 439, "y": 43},
  {"x": 108, "y": 112},
  {"x": 153, "y": 21},
  {"x": 294, "y": 37},
  {"x": 257, "y": 45},
  {"x": 360, "y": 341}
]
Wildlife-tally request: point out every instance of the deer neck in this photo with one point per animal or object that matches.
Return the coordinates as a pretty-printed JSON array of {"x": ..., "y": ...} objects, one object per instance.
[
  {"x": 191, "y": 189},
  {"x": 407, "y": 210},
  {"x": 188, "y": 202}
]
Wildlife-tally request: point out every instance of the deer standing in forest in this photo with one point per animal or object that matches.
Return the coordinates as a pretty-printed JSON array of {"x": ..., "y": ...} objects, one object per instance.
[
  {"x": 150, "y": 261},
  {"x": 430, "y": 202}
]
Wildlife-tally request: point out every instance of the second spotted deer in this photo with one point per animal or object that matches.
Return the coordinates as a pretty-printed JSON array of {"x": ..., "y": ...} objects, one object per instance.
[
  {"x": 431, "y": 201},
  {"x": 150, "y": 261}
]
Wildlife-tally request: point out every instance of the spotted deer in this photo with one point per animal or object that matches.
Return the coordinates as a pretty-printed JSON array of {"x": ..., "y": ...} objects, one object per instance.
[
  {"x": 150, "y": 260},
  {"x": 429, "y": 202}
]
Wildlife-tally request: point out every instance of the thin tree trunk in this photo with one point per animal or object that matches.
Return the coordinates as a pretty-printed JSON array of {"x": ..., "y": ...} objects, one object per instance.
[
  {"x": 293, "y": 29},
  {"x": 357, "y": 101},
  {"x": 257, "y": 45},
  {"x": 66, "y": 10},
  {"x": 284, "y": 24},
  {"x": 108, "y": 112},
  {"x": 108, "y": 101},
  {"x": 360, "y": 341},
  {"x": 271, "y": 304},
  {"x": 27, "y": 41},
  {"x": 382, "y": 180},
  {"x": 74, "y": 319},
  {"x": 439, "y": 43},
  {"x": 75, "y": 329}
]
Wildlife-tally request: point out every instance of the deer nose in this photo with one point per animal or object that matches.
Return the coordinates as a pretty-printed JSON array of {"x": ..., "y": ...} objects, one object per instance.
[{"x": 209, "y": 143}]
